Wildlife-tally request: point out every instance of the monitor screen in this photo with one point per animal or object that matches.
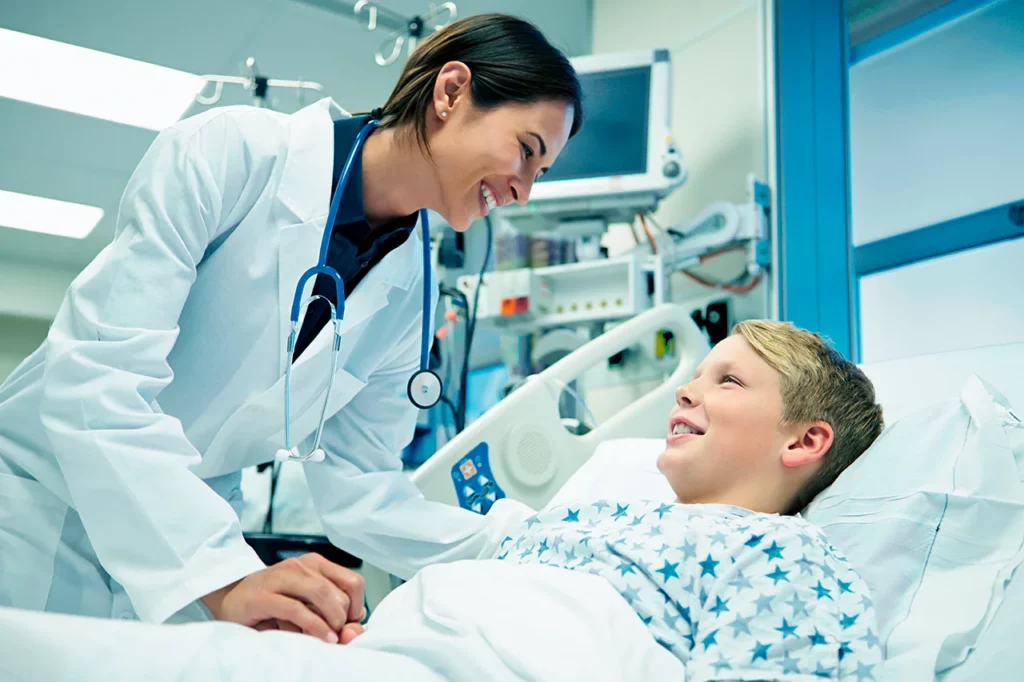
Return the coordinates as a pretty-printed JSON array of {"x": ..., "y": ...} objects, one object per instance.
[{"x": 613, "y": 139}]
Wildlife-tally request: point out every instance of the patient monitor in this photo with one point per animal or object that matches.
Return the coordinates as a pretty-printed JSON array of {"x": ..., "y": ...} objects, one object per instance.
[{"x": 623, "y": 160}]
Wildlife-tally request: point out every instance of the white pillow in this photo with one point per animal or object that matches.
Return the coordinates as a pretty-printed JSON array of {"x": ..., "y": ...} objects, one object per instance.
[
  {"x": 623, "y": 468},
  {"x": 932, "y": 517}
]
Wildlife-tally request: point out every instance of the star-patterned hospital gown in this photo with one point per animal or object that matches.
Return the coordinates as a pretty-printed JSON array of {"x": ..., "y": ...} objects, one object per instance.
[{"x": 734, "y": 594}]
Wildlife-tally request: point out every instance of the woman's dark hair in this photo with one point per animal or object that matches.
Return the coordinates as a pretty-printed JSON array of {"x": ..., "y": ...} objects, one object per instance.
[{"x": 510, "y": 61}]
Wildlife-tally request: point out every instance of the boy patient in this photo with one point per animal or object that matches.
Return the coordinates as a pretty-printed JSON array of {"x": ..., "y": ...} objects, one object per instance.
[{"x": 728, "y": 578}]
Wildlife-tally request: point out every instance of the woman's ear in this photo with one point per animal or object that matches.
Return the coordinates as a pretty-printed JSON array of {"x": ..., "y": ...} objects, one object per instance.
[
  {"x": 809, "y": 444},
  {"x": 452, "y": 84}
]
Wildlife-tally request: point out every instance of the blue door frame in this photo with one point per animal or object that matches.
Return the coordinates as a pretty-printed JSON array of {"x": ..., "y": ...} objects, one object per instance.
[{"x": 812, "y": 188}]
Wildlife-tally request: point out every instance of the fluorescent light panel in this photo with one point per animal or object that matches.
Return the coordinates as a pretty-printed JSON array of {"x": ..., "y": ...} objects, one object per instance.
[
  {"x": 83, "y": 81},
  {"x": 49, "y": 216}
]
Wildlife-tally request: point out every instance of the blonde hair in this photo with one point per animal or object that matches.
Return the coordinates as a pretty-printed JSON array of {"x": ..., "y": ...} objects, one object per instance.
[{"x": 818, "y": 384}]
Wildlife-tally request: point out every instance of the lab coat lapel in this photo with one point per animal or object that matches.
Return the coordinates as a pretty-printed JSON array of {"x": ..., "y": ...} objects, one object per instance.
[{"x": 311, "y": 372}]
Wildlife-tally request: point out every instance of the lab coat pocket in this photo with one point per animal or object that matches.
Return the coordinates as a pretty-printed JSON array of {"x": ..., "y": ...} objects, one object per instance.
[
  {"x": 304, "y": 424},
  {"x": 31, "y": 521}
]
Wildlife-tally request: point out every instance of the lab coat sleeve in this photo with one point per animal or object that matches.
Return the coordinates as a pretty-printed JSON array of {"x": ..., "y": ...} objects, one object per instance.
[
  {"x": 158, "y": 529},
  {"x": 368, "y": 505}
]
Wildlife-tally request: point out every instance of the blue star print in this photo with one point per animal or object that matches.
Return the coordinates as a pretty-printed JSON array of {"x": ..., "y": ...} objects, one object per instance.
[
  {"x": 778, "y": 574},
  {"x": 764, "y": 603},
  {"x": 773, "y": 552},
  {"x": 739, "y": 625},
  {"x": 789, "y": 665},
  {"x": 668, "y": 570},
  {"x": 864, "y": 671},
  {"x": 720, "y": 607},
  {"x": 798, "y": 604},
  {"x": 786, "y": 630},
  {"x": 817, "y": 638},
  {"x": 805, "y": 565},
  {"x": 662, "y": 510},
  {"x": 706, "y": 582}
]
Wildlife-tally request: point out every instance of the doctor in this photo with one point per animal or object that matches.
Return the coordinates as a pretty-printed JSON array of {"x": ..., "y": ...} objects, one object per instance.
[{"x": 165, "y": 373}]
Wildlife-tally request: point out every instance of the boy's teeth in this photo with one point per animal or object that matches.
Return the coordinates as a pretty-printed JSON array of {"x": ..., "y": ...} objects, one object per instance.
[{"x": 679, "y": 429}]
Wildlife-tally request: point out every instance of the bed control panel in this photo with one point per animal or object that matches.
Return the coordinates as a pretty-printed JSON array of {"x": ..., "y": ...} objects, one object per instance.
[{"x": 474, "y": 483}]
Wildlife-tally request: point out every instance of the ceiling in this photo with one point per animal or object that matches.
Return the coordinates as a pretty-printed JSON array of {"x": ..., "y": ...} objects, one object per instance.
[
  {"x": 75, "y": 158},
  {"x": 871, "y": 18}
]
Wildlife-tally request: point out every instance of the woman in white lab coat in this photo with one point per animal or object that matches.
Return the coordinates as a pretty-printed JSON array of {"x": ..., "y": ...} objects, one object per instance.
[{"x": 122, "y": 438}]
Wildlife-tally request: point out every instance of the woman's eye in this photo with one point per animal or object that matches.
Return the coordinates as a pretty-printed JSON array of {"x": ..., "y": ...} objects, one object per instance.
[{"x": 527, "y": 151}]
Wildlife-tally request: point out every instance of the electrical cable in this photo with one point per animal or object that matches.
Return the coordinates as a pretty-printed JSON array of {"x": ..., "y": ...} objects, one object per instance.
[
  {"x": 451, "y": 406},
  {"x": 471, "y": 330},
  {"x": 725, "y": 286},
  {"x": 650, "y": 236},
  {"x": 268, "y": 521}
]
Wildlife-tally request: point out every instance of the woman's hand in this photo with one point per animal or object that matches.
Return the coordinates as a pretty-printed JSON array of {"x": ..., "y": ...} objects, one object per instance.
[{"x": 307, "y": 594}]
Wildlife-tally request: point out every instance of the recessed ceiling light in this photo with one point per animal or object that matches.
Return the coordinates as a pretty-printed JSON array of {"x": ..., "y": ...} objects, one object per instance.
[
  {"x": 49, "y": 216},
  {"x": 83, "y": 81}
]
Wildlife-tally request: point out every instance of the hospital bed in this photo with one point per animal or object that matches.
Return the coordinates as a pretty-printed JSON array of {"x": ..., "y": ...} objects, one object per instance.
[
  {"x": 942, "y": 491},
  {"x": 932, "y": 514}
]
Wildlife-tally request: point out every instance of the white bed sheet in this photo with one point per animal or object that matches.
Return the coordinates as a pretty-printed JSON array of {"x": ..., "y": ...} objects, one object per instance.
[{"x": 460, "y": 622}]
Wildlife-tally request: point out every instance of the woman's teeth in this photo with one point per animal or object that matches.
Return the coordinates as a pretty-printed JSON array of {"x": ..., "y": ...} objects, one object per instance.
[{"x": 488, "y": 197}]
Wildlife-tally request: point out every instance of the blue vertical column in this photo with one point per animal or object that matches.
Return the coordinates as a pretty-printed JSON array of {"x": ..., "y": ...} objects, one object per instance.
[{"x": 812, "y": 178}]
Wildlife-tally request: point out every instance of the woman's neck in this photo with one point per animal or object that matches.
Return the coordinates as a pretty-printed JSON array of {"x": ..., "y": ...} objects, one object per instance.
[{"x": 396, "y": 175}]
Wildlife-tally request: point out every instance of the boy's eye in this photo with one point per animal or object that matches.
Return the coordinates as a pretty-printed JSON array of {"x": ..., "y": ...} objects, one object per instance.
[{"x": 728, "y": 378}]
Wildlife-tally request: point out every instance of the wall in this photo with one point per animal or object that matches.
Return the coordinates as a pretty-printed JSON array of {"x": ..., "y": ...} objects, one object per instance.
[
  {"x": 935, "y": 134},
  {"x": 19, "y": 337},
  {"x": 718, "y": 91}
]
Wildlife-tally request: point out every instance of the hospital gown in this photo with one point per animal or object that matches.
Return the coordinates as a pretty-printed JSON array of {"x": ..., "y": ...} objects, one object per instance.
[{"x": 734, "y": 594}]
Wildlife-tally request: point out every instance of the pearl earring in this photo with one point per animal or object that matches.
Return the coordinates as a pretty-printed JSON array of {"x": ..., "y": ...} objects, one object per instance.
[{"x": 444, "y": 114}]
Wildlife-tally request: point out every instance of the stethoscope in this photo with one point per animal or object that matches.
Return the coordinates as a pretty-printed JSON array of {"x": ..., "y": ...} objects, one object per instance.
[{"x": 424, "y": 388}]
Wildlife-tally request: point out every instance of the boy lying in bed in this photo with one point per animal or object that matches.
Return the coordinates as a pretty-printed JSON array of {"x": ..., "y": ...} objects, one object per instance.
[{"x": 728, "y": 579}]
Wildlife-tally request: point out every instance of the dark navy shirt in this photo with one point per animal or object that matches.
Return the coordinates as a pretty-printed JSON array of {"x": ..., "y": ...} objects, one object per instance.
[{"x": 354, "y": 247}]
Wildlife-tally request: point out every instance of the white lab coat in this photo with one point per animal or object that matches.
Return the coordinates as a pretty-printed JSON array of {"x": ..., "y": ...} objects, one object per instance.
[{"x": 122, "y": 437}]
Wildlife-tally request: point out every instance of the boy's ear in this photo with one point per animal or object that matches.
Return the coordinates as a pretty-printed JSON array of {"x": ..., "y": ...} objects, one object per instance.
[{"x": 809, "y": 444}]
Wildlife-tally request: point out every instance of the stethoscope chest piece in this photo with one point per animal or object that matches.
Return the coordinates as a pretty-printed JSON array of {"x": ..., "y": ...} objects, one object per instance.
[{"x": 425, "y": 389}]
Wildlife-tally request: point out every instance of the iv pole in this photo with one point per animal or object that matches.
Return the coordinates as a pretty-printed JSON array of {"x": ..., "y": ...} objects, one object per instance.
[{"x": 406, "y": 30}]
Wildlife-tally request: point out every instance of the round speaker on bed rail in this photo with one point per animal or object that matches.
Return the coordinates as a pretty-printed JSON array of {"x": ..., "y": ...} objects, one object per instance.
[{"x": 532, "y": 462}]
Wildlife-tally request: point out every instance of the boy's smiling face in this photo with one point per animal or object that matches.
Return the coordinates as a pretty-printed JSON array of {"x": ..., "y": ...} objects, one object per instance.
[{"x": 727, "y": 442}]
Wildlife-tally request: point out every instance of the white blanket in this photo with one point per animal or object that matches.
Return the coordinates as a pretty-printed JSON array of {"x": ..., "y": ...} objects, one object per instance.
[{"x": 466, "y": 621}]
